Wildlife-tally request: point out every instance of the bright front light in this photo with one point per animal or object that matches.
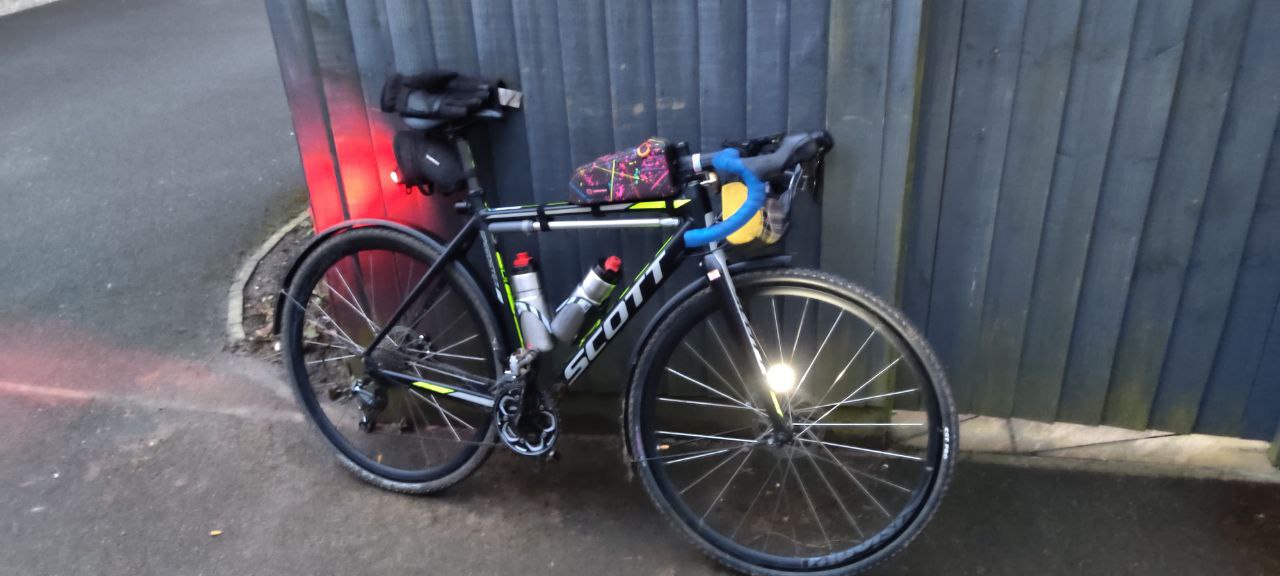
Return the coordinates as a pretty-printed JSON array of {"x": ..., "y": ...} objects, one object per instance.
[{"x": 781, "y": 378}]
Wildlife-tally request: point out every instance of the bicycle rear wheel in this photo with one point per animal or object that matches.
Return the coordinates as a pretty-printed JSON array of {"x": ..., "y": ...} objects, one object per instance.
[
  {"x": 392, "y": 435},
  {"x": 872, "y": 421}
]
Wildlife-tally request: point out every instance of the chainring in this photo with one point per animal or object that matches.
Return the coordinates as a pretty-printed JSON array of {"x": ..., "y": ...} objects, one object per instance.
[{"x": 530, "y": 430}]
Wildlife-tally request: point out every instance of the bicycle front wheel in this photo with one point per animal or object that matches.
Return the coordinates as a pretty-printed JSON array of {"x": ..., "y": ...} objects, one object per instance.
[{"x": 872, "y": 427}]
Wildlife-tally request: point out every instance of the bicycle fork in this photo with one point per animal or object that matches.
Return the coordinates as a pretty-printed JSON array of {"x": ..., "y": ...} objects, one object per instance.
[{"x": 743, "y": 338}]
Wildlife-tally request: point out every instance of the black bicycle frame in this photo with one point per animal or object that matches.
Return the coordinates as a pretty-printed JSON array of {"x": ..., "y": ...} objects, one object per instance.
[
  {"x": 670, "y": 214},
  {"x": 640, "y": 292}
]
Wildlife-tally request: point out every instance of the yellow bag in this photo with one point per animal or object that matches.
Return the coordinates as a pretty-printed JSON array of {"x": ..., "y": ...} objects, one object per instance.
[{"x": 732, "y": 195}]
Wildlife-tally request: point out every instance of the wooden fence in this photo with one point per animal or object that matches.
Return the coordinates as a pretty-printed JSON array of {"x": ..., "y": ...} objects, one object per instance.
[{"x": 1078, "y": 200}]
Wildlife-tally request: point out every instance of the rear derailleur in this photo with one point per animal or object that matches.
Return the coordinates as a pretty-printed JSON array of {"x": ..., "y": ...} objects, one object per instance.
[
  {"x": 528, "y": 422},
  {"x": 370, "y": 399}
]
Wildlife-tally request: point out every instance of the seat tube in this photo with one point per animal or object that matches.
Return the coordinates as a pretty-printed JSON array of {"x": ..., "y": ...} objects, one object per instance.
[{"x": 743, "y": 340}]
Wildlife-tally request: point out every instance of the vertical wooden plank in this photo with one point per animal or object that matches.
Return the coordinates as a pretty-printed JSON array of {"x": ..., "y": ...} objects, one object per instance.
[
  {"x": 410, "y": 28},
  {"x": 1045, "y": 68},
  {"x": 1229, "y": 203},
  {"x": 629, "y": 36},
  {"x": 454, "y": 35},
  {"x": 985, "y": 83},
  {"x": 1204, "y": 83},
  {"x": 857, "y": 70},
  {"x": 722, "y": 79},
  {"x": 767, "y": 59},
  {"x": 300, "y": 72},
  {"x": 895, "y": 151},
  {"x": 675, "y": 81},
  {"x": 588, "y": 103},
  {"x": 941, "y": 32},
  {"x": 677, "y": 114},
  {"x": 375, "y": 57},
  {"x": 508, "y": 149},
  {"x": 1263, "y": 414},
  {"x": 806, "y": 110},
  {"x": 537, "y": 34},
  {"x": 1077, "y": 174},
  {"x": 1257, "y": 292},
  {"x": 1137, "y": 137},
  {"x": 348, "y": 121}
]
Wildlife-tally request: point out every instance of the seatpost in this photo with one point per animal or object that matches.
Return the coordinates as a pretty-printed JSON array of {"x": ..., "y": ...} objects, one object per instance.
[{"x": 475, "y": 192}]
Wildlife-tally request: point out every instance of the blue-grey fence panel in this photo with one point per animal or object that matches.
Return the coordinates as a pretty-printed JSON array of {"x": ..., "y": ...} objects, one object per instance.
[
  {"x": 1150, "y": 75},
  {"x": 990, "y": 46},
  {"x": 1230, "y": 201},
  {"x": 1039, "y": 99},
  {"x": 1106, "y": 45},
  {"x": 1107, "y": 226}
]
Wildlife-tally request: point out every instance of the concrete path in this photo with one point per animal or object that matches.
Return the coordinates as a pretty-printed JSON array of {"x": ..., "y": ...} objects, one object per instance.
[{"x": 145, "y": 145}]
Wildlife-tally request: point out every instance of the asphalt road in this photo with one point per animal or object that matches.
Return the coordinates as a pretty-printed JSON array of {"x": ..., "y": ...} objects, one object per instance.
[{"x": 144, "y": 146}]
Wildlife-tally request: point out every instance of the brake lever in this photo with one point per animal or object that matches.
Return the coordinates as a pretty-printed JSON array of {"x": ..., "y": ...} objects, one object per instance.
[{"x": 756, "y": 146}]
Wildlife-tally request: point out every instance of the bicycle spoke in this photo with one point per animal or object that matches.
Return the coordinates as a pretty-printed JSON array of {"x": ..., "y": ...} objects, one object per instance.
[
  {"x": 456, "y": 344},
  {"x": 448, "y": 414},
  {"x": 859, "y": 484},
  {"x": 685, "y": 456},
  {"x": 445, "y": 417},
  {"x": 863, "y": 399},
  {"x": 321, "y": 361},
  {"x": 754, "y": 499},
  {"x": 857, "y": 424},
  {"x": 834, "y": 494},
  {"x": 422, "y": 442},
  {"x": 706, "y": 437},
  {"x": 812, "y": 508},
  {"x": 799, "y": 330},
  {"x": 457, "y": 356},
  {"x": 727, "y": 459},
  {"x": 425, "y": 312},
  {"x": 727, "y": 483},
  {"x": 854, "y": 393},
  {"x": 358, "y": 309},
  {"x": 710, "y": 404},
  {"x": 724, "y": 349},
  {"x": 830, "y": 458},
  {"x": 717, "y": 374},
  {"x": 777, "y": 328},
  {"x": 818, "y": 353},
  {"x": 678, "y": 443},
  {"x": 852, "y": 359},
  {"x": 861, "y": 449},
  {"x": 448, "y": 370},
  {"x": 713, "y": 390}
]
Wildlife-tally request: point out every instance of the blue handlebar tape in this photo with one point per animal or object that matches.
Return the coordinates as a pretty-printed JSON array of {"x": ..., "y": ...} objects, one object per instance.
[{"x": 728, "y": 161}]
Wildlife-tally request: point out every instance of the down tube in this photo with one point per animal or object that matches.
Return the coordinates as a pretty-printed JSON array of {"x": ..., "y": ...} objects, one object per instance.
[{"x": 640, "y": 292}]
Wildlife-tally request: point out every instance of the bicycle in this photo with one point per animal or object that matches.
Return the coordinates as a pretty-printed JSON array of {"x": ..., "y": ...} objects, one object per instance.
[{"x": 412, "y": 371}]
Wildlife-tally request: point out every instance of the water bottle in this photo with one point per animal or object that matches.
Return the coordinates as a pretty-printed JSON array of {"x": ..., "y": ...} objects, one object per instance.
[
  {"x": 531, "y": 309},
  {"x": 590, "y": 293}
]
